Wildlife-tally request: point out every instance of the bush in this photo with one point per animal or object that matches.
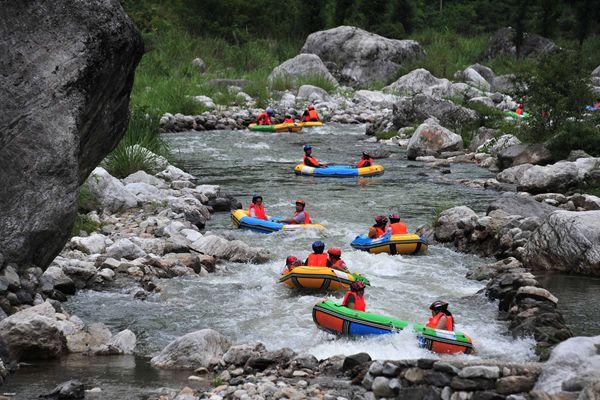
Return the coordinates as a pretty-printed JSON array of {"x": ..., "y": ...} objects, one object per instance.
[
  {"x": 581, "y": 135},
  {"x": 84, "y": 223}
]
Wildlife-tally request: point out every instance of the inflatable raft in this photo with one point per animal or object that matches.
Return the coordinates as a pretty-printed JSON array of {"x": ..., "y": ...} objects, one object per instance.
[
  {"x": 241, "y": 220},
  {"x": 409, "y": 243},
  {"x": 289, "y": 127},
  {"x": 516, "y": 116},
  {"x": 339, "y": 320},
  {"x": 319, "y": 278},
  {"x": 338, "y": 170},
  {"x": 308, "y": 124}
]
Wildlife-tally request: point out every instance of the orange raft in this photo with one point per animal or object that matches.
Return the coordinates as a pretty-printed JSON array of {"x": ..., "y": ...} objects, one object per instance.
[{"x": 319, "y": 278}]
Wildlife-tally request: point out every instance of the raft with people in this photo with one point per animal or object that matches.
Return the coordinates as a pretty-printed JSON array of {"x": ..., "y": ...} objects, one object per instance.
[
  {"x": 319, "y": 278},
  {"x": 343, "y": 321},
  {"x": 242, "y": 220},
  {"x": 310, "y": 124},
  {"x": 283, "y": 127},
  {"x": 338, "y": 171},
  {"x": 405, "y": 244}
]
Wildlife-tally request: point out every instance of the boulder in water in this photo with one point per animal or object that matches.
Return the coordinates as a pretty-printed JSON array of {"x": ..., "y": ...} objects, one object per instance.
[
  {"x": 70, "y": 390},
  {"x": 430, "y": 138},
  {"x": 303, "y": 65},
  {"x": 232, "y": 250},
  {"x": 202, "y": 348}
]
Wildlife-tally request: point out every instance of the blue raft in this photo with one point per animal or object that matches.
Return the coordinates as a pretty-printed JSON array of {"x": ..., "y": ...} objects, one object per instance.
[
  {"x": 339, "y": 171},
  {"x": 241, "y": 220}
]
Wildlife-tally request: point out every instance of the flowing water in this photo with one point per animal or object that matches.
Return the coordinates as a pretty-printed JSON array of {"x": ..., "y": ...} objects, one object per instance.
[{"x": 246, "y": 303}]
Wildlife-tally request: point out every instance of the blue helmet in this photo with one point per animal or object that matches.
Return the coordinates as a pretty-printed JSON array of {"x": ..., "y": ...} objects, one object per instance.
[
  {"x": 307, "y": 147},
  {"x": 270, "y": 111},
  {"x": 318, "y": 246}
]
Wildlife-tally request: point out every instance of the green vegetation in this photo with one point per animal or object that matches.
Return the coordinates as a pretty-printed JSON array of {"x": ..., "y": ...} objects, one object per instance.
[{"x": 84, "y": 223}]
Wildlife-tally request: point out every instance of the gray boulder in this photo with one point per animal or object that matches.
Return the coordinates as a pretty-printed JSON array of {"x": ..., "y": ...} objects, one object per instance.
[
  {"x": 472, "y": 77},
  {"x": 125, "y": 248},
  {"x": 502, "y": 43},
  {"x": 525, "y": 206},
  {"x": 485, "y": 72},
  {"x": 551, "y": 178},
  {"x": 513, "y": 174},
  {"x": 303, "y": 65},
  {"x": 312, "y": 94},
  {"x": 70, "y": 390},
  {"x": 361, "y": 57},
  {"x": 143, "y": 177},
  {"x": 414, "y": 110},
  {"x": 505, "y": 83},
  {"x": 67, "y": 72},
  {"x": 446, "y": 226},
  {"x": 107, "y": 192},
  {"x": 596, "y": 72},
  {"x": 482, "y": 135},
  {"x": 374, "y": 98},
  {"x": 420, "y": 81},
  {"x": 430, "y": 138},
  {"x": 93, "y": 244},
  {"x": 232, "y": 250},
  {"x": 202, "y": 348},
  {"x": 567, "y": 241},
  {"x": 519, "y": 154}
]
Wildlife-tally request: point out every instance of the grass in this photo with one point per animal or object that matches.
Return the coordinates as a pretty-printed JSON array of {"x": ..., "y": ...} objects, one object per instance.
[{"x": 83, "y": 223}]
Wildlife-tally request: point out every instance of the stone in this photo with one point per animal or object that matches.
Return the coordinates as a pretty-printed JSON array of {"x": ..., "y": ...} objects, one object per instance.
[
  {"x": 472, "y": 77},
  {"x": 381, "y": 387},
  {"x": 410, "y": 111},
  {"x": 361, "y": 57},
  {"x": 171, "y": 173},
  {"x": 420, "y": 81},
  {"x": 566, "y": 241},
  {"x": 355, "y": 360},
  {"x": 143, "y": 177},
  {"x": 93, "y": 244},
  {"x": 513, "y": 174},
  {"x": 524, "y": 154},
  {"x": 447, "y": 224},
  {"x": 107, "y": 193},
  {"x": 199, "y": 64},
  {"x": 146, "y": 193},
  {"x": 57, "y": 280},
  {"x": 222, "y": 83},
  {"x": 235, "y": 250},
  {"x": 312, "y": 94},
  {"x": 70, "y": 390},
  {"x": 303, "y": 65},
  {"x": 374, "y": 98},
  {"x": 307, "y": 361},
  {"x": 238, "y": 355},
  {"x": 107, "y": 274},
  {"x": 414, "y": 375},
  {"x": 515, "y": 384},
  {"x": 124, "y": 342},
  {"x": 125, "y": 248},
  {"x": 480, "y": 371},
  {"x": 502, "y": 44},
  {"x": 497, "y": 145},
  {"x": 197, "y": 349},
  {"x": 186, "y": 393},
  {"x": 587, "y": 202},
  {"x": 537, "y": 293},
  {"x": 551, "y": 178},
  {"x": 470, "y": 384},
  {"x": 59, "y": 118},
  {"x": 525, "y": 206},
  {"x": 430, "y": 138}
]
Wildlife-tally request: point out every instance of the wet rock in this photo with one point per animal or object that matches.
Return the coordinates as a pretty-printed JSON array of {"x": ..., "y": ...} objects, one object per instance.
[
  {"x": 447, "y": 224},
  {"x": 122, "y": 343},
  {"x": 240, "y": 354},
  {"x": 480, "y": 371},
  {"x": 431, "y": 138},
  {"x": 302, "y": 65},
  {"x": 515, "y": 384},
  {"x": 355, "y": 360},
  {"x": 235, "y": 250},
  {"x": 70, "y": 390},
  {"x": 502, "y": 43},
  {"x": 307, "y": 361},
  {"x": 537, "y": 293},
  {"x": 194, "y": 350},
  {"x": 420, "y": 81},
  {"x": 55, "y": 279},
  {"x": 519, "y": 154},
  {"x": 381, "y": 387}
]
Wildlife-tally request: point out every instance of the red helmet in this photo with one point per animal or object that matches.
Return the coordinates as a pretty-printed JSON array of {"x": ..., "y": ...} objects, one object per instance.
[
  {"x": 394, "y": 217},
  {"x": 380, "y": 219},
  {"x": 301, "y": 202},
  {"x": 334, "y": 251},
  {"x": 310, "y": 107},
  {"x": 290, "y": 260},
  {"x": 357, "y": 286}
]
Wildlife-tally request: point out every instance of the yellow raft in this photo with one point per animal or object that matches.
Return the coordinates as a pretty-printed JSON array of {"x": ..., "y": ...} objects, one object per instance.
[
  {"x": 317, "y": 278},
  {"x": 338, "y": 171},
  {"x": 286, "y": 127},
  {"x": 241, "y": 219},
  {"x": 393, "y": 244},
  {"x": 308, "y": 124}
]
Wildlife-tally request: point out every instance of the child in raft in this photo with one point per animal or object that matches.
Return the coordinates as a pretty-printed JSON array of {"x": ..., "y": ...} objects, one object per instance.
[
  {"x": 354, "y": 299},
  {"x": 290, "y": 263}
]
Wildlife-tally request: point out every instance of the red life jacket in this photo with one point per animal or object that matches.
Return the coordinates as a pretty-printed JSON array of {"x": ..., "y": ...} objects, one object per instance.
[
  {"x": 435, "y": 321},
  {"x": 264, "y": 119},
  {"x": 359, "y": 301},
  {"x": 519, "y": 111},
  {"x": 312, "y": 115},
  {"x": 311, "y": 161},
  {"x": 288, "y": 121},
  {"x": 259, "y": 211},
  {"x": 306, "y": 217},
  {"x": 365, "y": 162},
  {"x": 317, "y": 260},
  {"x": 398, "y": 228},
  {"x": 380, "y": 232},
  {"x": 339, "y": 264}
]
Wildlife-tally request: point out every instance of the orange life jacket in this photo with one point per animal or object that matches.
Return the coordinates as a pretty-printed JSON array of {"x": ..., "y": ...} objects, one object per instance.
[
  {"x": 519, "y": 111},
  {"x": 306, "y": 217},
  {"x": 398, "y": 228},
  {"x": 380, "y": 232},
  {"x": 264, "y": 119},
  {"x": 359, "y": 301},
  {"x": 317, "y": 260},
  {"x": 365, "y": 162},
  {"x": 435, "y": 321},
  {"x": 312, "y": 115},
  {"x": 259, "y": 211},
  {"x": 339, "y": 264},
  {"x": 311, "y": 161},
  {"x": 288, "y": 121}
]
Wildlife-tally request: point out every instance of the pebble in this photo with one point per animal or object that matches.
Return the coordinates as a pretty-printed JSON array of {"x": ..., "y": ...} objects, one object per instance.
[{"x": 299, "y": 374}]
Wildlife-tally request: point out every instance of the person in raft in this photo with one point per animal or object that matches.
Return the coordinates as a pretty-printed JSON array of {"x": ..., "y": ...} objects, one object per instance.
[
  {"x": 365, "y": 161},
  {"x": 335, "y": 259},
  {"x": 310, "y": 114},
  {"x": 290, "y": 263},
  {"x": 257, "y": 208},
  {"x": 354, "y": 298},
  {"x": 265, "y": 117},
  {"x": 441, "y": 318},
  {"x": 379, "y": 229},
  {"x": 288, "y": 119},
  {"x": 396, "y": 227},
  {"x": 317, "y": 258},
  {"x": 519, "y": 110},
  {"x": 300, "y": 215},
  {"x": 309, "y": 160},
  {"x": 596, "y": 105}
]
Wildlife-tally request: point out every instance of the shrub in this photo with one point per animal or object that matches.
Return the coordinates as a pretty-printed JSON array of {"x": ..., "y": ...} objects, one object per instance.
[
  {"x": 575, "y": 135},
  {"x": 84, "y": 223}
]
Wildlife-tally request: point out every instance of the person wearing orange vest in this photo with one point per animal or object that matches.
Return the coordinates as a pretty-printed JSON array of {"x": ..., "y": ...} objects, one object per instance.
[
  {"x": 365, "y": 161},
  {"x": 441, "y": 318},
  {"x": 310, "y": 114},
  {"x": 265, "y": 117},
  {"x": 257, "y": 209},
  {"x": 335, "y": 259},
  {"x": 519, "y": 110},
  {"x": 396, "y": 227},
  {"x": 290, "y": 263},
  {"x": 308, "y": 159},
  {"x": 354, "y": 298},
  {"x": 378, "y": 230},
  {"x": 288, "y": 119},
  {"x": 300, "y": 215},
  {"x": 317, "y": 258}
]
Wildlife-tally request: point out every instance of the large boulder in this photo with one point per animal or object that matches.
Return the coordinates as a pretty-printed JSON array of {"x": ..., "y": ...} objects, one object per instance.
[
  {"x": 67, "y": 72},
  {"x": 414, "y": 110},
  {"x": 567, "y": 241},
  {"x": 232, "y": 250},
  {"x": 549, "y": 179},
  {"x": 472, "y": 77},
  {"x": 482, "y": 135},
  {"x": 202, "y": 348},
  {"x": 503, "y": 43},
  {"x": 430, "y": 138},
  {"x": 107, "y": 192},
  {"x": 420, "y": 81},
  {"x": 525, "y": 206},
  {"x": 446, "y": 226},
  {"x": 374, "y": 98},
  {"x": 303, "y": 65},
  {"x": 518, "y": 154},
  {"x": 361, "y": 57},
  {"x": 312, "y": 94}
]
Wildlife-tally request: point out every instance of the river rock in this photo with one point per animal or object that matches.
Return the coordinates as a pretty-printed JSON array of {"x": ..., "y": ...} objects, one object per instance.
[
  {"x": 472, "y": 77},
  {"x": 447, "y": 224},
  {"x": 374, "y": 98},
  {"x": 172, "y": 173},
  {"x": 361, "y": 57},
  {"x": 70, "y": 390},
  {"x": 93, "y": 244},
  {"x": 481, "y": 136},
  {"x": 567, "y": 241},
  {"x": 409, "y": 111},
  {"x": 430, "y": 138},
  {"x": 107, "y": 192},
  {"x": 125, "y": 248},
  {"x": 240, "y": 354},
  {"x": 202, "y": 348},
  {"x": 551, "y": 178},
  {"x": 303, "y": 65},
  {"x": 420, "y": 81},
  {"x": 234, "y": 250},
  {"x": 146, "y": 193},
  {"x": 54, "y": 278},
  {"x": 513, "y": 174},
  {"x": 587, "y": 202},
  {"x": 312, "y": 94},
  {"x": 496, "y": 145},
  {"x": 123, "y": 342},
  {"x": 525, "y": 206},
  {"x": 59, "y": 117},
  {"x": 502, "y": 43},
  {"x": 523, "y": 154}
]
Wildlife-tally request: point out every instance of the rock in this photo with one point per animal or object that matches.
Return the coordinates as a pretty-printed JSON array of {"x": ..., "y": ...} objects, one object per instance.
[
  {"x": 202, "y": 348},
  {"x": 306, "y": 361},
  {"x": 204, "y": 101},
  {"x": 519, "y": 154},
  {"x": 525, "y": 206},
  {"x": 360, "y": 56},
  {"x": 303, "y": 65},
  {"x": 485, "y": 72},
  {"x": 596, "y": 72},
  {"x": 355, "y": 360},
  {"x": 574, "y": 155},
  {"x": 235, "y": 250},
  {"x": 447, "y": 224},
  {"x": 472, "y": 77},
  {"x": 567, "y": 241},
  {"x": 312, "y": 94},
  {"x": 123, "y": 342},
  {"x": 431, "y": 138},
  {"x": 125, "y": 248},
  {"x": 172, "y": 173},
  {"x": 287, "y": 101},
  {"x": 480, "y": 371},
  {"x": 240, "y": 354},
  {"x": 420, "y": 81},
  {"x": 585, "y": 201},
  {"x": 502, "y": 43},
  {"x": 59, "y": 118},
  {"x": 537, "y": 293},
  {"x": 70, "y": 390},
  {"x": 93, "y": 244},
  {"x": 146, "y": 193},
  {"x": 513, "y": 174},
  {"x": 107, "y": 274},
  {"x": 107, "y": 193},
  {"x": 496, "y": 145},
  {"x": 515, "y": 384},
  {"x": 374, "y": 98},
  {"x": 552, "y": 178},
  {"x": 381, "y": 387},
  {"x": 505, "y": 83},
  {"x": 414, "y": 110},
  {"x": 482, "y": 135},
  {"x": 57, "y": 280},
  {"x": 486, "y": 101},
  {"x": 199, "y": 64}
]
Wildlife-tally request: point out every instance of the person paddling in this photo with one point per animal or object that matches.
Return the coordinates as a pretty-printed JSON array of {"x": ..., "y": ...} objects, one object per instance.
[
  {"x": 256, "y": 208},
  {"x": 317, "y": 258},
  {"x": 378, "y": 230},
  {"x": 265, "y": 117},
  {"x": 290, "y": 263},
  {"x": 310, "y": 114},
  {"x": 365, "y": 161},
  {"x": 300, "y": 215},
  {"x": 309, "y": 160},
  {"x": 441, "y": 318},
  {"x": 335, "y": 259},
  {"x": 288, "y": 119},
  {"x": 396, "y": 227},
  {"x": 354, "y": 298}
]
